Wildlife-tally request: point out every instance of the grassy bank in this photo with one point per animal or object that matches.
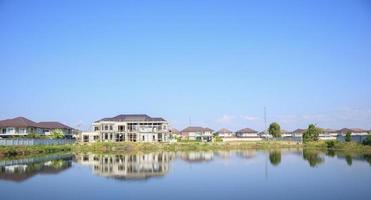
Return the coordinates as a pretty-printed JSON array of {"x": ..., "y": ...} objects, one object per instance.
[
  {"x": 180, "y": 146},
  {"x": 124, "y": 147},
  {"x": 22, "y": 151}
]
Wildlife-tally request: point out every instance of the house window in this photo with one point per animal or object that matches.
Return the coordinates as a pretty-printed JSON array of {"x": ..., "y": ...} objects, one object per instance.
[
  {"x": 106, "y": 136},
  {"x": 121, "y": 128},
  {"x": 4, "y": 130},
  {"x": 110, "y": 127},
  {"x": 106, "y": 127},
  {"x": 143, "y": 138},
  {"x": 96, "y": 128},
  {"x": 153, "y": 137}
]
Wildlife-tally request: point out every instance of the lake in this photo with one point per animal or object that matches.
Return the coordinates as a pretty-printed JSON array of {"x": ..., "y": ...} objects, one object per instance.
[{"x": 252, "y": 174}]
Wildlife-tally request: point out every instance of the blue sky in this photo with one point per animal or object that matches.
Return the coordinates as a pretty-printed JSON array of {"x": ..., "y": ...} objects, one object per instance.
[{"x": 217, "y": 63}]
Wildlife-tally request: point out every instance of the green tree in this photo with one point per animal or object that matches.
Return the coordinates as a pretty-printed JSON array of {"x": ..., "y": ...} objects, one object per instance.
[
  {"x": 311, "y": 134},
  {"x": 367, "y": 141},
  {"x": 275, "y": 129},
  {"x": 275, "y": 157},
  {"x": 57, "y": 134},
  {"x": 348, "y": 136}
]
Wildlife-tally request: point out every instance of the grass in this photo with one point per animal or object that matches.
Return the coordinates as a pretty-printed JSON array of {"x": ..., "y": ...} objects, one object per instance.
[
  {"x": 19, "y": 151},
  {"x": 124, "y": 147}
]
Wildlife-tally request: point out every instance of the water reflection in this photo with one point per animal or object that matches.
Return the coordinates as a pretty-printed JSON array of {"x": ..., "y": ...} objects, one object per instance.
[
  {"x": 141, "y": 166},
  {"x": 313, "y": 157},
  {"x": 130, "y": 166},
  {"x": 19, "y": 170},
  {"x": 196, "y": 156},
  {"x": 275, "y": 157}
]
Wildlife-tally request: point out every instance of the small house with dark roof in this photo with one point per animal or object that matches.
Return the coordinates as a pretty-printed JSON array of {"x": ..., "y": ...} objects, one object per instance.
[
  {"x": 132, "y": 128},
  {"x": 197, "y": 133},
  {"x": 21, "y": 126},
  {"x": 353, "y": 131},
  {"x": 225, "y": 133},
  {"x": 247, "y": 133}
]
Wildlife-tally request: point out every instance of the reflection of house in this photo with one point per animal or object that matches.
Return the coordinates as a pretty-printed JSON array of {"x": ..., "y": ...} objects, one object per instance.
[
  {"x": 225, "y": 133},
  {"x": 197, "y": 156},
  {"x": 197, "y": 133},
  {"x": 247, "y": 133},
  {"x": 23, "y": 169},
  {"x": 22, "y": 126},
  {"x": 135, "y": 166},
  {"x": 133, "y": 128},
  {"x": 247, "y": 154}
]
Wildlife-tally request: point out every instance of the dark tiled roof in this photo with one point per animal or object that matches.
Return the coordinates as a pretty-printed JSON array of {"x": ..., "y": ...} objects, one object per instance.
[
  {"x": 132, "y": 117},
  {"x": 224, "y": 130},
  {"x": 247, "y": 130},
  {"x": 196, "y": 129},
  {"x": 299, "y": 130},
  {"x": 329, "y": 130},
  {"x": 353, "y": 130},
  {"x": 53, "y": 125},
  {"x": 18, "y": 122}
]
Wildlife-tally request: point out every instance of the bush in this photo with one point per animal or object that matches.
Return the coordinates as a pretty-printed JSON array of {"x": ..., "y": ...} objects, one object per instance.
[
  {"x": 348, "y": 136},
  {"x": 367, "y": 141},
  {"x": 330, "y": 144},
  {"x": 57, "y": 134}
]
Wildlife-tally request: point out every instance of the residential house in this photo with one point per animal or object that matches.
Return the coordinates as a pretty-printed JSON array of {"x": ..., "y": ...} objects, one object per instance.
[
  {"x": 197, "y": 133},
  {"x": 49, "y": 127},
  {"x": 132, "y": 128},
  {"x": 225, "y": 133},
  {"x": 353, "y": 131},
  {"x": 298, "y": 132},
  {"x": 286, "y": 133},
  {"x": 21, "y": 126},
  {"x": 328, "y": 134},
  {"x": 247, "y": 133}
]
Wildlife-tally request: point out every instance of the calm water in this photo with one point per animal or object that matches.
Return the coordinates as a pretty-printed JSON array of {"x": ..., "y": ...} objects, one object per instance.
[{"x": 253, "y": 174}]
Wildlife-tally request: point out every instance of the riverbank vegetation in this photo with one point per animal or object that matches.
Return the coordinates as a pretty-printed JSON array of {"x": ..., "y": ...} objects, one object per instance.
[{"x": 123, "y": 147}]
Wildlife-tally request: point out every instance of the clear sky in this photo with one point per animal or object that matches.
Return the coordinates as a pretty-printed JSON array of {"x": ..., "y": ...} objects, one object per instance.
[{"x": 211, "y": 63}]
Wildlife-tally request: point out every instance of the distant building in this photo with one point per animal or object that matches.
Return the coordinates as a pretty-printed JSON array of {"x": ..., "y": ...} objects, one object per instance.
[
  {"x": 132, "y": 128},
  {"x": 353, "y": 131},
  {"x": 225, "y": 133},
  {"x": 298, "y": 132},
  {"x": 247, "y": 133},
  {"x": 197, "y": 133},
  {"x": 286, "y": 133},
  {"x": 21, "y": 126}
]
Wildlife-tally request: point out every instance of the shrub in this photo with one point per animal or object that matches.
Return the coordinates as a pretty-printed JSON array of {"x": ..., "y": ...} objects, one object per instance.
[
  {"x": 348, "y": 136},
  {"x": 330, "y": 144},
  {"x": 57, "y": 134}
]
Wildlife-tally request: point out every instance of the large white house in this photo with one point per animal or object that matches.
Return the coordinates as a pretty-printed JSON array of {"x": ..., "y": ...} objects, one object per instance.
[{"x": 131, "y": 128}]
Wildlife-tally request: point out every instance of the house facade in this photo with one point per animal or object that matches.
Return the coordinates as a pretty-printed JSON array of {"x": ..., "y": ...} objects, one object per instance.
[
  {"x": 21, "y": 126},
  {"x": 247, "y": 133},
  {"x": 132, "y": 128},
  {"x": 225, "y": 133},
  {"x": 197, "y": 133},
  {"x": 353, "y": 131}
]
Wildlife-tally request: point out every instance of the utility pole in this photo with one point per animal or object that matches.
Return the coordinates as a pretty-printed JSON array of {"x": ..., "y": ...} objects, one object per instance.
[{"x": 265, "y": 123}]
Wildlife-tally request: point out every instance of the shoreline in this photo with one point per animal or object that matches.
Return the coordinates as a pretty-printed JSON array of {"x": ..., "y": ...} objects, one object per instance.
[{"x": 128, "y": 147}]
